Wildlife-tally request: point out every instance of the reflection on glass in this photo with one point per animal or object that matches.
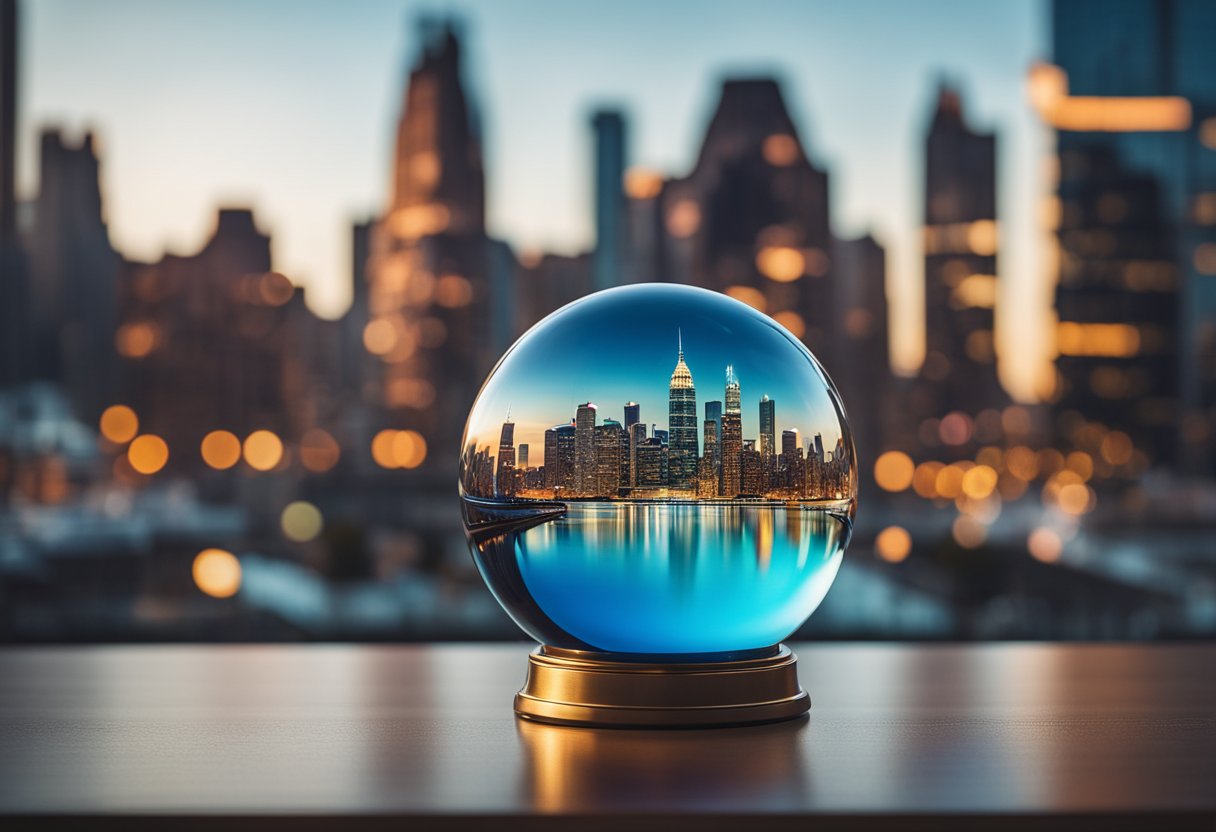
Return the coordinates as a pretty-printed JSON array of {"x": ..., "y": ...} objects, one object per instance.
[{"x": 671, "y": 530}]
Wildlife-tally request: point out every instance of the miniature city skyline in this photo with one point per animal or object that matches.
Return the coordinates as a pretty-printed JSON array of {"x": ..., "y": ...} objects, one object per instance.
[{"x": 585, "y": 458}]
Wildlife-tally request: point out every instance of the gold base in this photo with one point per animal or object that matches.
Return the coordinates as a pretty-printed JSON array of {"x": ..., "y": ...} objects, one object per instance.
[{"x": 570, "y": 687}]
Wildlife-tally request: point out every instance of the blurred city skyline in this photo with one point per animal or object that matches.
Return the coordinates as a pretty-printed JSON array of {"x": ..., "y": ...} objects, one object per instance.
[{"x": 167, "y": 81}]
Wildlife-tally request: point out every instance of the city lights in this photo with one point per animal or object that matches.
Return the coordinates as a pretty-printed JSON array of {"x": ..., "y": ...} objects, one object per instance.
[
  {"x": 221, "y": 449},
  {"x": 781, "y": 263},
  {"x": 263, "y": 450},
  {"x": 893, "y": 471},
  {"x": 319, "y": 451},
  {"x": 148, "y": 453},
  {"x": 1044, "y": 545},
  {"x": 1112, "y": 114},
  {"x": 301, "y": 521},
  {"x": 893, "y": 544},
  {"x": 217, "y": 573},
  {"x": 781, "y": 150},
  {"x": 399, "y": 449},
  {"x": 969, "y": 532},
  {"x": 119, "y": 424}
]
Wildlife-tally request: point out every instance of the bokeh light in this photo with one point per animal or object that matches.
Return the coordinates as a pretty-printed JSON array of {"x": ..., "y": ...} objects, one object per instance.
[
  {"x": 319, "y": 451},
  {"x": 221, "y": 449},
  {"x": 263, "y": 450},
  {"x": 217, "y": 573},
  {"x": 301, "y": 521},
  {"x": 148, "y": 453},
  {"x": 1044, "y": 545},
  {"x": 893, "y": 471},
  {"x": 893, "y": 544},
  {"x": 969, "y": 532},
  {"x": 119, "y": 424}
]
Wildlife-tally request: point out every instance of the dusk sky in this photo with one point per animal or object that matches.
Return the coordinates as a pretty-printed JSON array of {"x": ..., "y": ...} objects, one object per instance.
[
  {"x": 609, "y": 356},
  {"x": 290, "y": 106}
]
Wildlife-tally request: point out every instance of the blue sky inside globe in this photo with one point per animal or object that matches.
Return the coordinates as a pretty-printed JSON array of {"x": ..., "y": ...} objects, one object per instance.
[{"x": 622, "y": 346}]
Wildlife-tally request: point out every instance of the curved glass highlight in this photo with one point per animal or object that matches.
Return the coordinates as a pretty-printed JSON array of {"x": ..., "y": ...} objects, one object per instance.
[{"x": 658, "y": 470}]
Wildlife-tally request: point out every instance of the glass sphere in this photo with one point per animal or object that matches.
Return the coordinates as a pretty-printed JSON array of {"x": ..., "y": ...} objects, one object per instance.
[{"x": 658, "y": 471}]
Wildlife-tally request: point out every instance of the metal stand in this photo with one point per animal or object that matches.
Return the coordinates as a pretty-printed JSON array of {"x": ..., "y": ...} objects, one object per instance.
[{"x": 570, "y": 687}]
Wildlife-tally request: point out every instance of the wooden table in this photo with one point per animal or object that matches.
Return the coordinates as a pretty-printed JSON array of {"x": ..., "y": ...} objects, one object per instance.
[{"x": 899, "y": 737}]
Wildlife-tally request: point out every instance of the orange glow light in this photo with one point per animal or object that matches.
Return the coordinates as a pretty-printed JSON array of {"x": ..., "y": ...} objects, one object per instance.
[
  {"x": 221, "y": 449},
  {"x": 781, "y": 263},
  {"x": 409, "y": 449},
  {"x": 148, "y": 453},
  {"x": 453, "y": 290},
  {"x": 119, "y": 424},
  {"x": 1044, "y": 545},
  {"x": 379, "y": 336},
  {"x": 318, "y": 451},
  {"x": 217, "y": 573},
  {"x": 136, "y": 340},
  {"x": 263, "y": 450},
  {"x": 643, "y": 184},
  {"x": 893, "y": 471},
  {"x": 684, "y": 219},
  {"x": 893, "y": 544},
  {"x": 780, "y": 150},
  {"x": 275, "y": 289},
  {"x": 1089, "y": 339},
  {"x": 1103, "y": 114}
]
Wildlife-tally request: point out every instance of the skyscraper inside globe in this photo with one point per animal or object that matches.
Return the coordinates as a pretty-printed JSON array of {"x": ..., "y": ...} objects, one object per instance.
[
  {"x": 732, "y": 438},
  {"x": 682, "y": 426},
  {"x": 586, "y": 471}
]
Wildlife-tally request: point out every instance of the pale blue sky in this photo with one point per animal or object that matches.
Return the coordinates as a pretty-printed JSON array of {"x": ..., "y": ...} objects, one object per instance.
[{"x": 290, "y": 105}]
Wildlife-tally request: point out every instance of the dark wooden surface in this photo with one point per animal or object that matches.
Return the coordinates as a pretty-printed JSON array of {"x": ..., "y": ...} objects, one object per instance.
[{"x": 323, "y": 736}]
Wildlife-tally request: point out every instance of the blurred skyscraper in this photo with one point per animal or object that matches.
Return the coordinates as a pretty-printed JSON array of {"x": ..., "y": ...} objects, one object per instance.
[
  {"x": 863, "y": 375},
  {"x": 608, "y": 262},
  {"x": 439, "y": 289},
  {"x": 211, "y": 341},
  {"x": 752, "y": 217},
  {"x": 961, "y": 238},
  {"x": 1134, "y": 104},
  {"x": 13, "y": 294},
  {"x": 74, "y": 276}
]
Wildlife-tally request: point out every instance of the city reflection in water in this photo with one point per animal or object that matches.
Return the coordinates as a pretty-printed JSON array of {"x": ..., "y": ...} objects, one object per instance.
[
  {"x": 665, "y": 578},
  {"x": 589, "y": 770}
]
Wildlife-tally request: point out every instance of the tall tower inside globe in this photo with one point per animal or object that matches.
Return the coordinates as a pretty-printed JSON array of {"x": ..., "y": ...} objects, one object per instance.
[
  {"x": 732, "y": 438},
  {"x": 682, "y": 424},
  {"x": 504, "y": 481}
]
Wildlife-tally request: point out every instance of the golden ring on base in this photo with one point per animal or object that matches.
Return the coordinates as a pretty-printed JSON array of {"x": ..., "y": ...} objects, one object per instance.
[{"x": 572, "y": 687}]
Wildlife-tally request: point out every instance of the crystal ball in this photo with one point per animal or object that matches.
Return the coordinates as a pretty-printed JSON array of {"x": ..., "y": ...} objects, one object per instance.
[{"x": 658, "y": 471}]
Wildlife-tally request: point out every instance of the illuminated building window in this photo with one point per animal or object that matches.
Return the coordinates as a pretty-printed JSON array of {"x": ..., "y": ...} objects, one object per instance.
[
  {"x": 781, "y": 263},
  {"x": 1090, "y": 339},
  {"x": 1107, "y": 114},
  {"x": 781, "y": 150},
  {"x": 643, "y": 184}
]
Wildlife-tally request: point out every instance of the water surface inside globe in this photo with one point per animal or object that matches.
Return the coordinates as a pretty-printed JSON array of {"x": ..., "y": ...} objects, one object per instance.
[{"x": 658, "y": 471}]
